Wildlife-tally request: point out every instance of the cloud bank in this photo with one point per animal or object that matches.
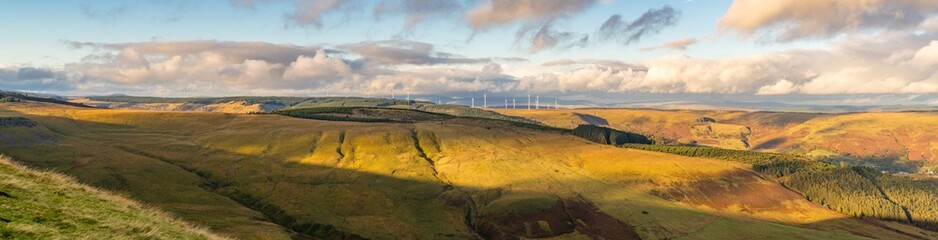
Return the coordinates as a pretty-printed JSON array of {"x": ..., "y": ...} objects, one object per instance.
[
  {"x": 789, "y": 20},
  {"x": 883, "y": 64}
]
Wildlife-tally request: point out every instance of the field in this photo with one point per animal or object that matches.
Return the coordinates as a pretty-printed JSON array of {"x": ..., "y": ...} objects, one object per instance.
[
  {"x": 893, "y": 141},
  {"x": 43, "y": 205},
  {"x": 277, "y": 177}
]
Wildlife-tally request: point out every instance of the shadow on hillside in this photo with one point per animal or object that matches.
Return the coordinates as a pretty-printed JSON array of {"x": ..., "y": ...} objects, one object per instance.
[
  {"x": 770, "y": 144},
  {"x": 328, "y": 202},
  {"x": 592, "y": 119}
]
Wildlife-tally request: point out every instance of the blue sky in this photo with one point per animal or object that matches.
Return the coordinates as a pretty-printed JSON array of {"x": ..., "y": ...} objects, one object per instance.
[
  {"x": 760, "y": 48},
  {"x": 40, "y": 26}
]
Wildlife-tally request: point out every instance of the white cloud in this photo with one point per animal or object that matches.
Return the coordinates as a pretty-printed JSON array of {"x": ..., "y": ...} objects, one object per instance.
[
  {"x": 788, "y": 20},
  {"x": 883, "y": 64},
  {"x": 926, "y": 57},
  {"x": 493, "y": 13},
  {"x": 781, "y": 87},
  {"x": 316, "y": 67}
]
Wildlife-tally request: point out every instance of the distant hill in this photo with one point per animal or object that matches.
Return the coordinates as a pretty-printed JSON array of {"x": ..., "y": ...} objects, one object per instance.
[
  {"x": 270, "y": 104},
  {"x": 892, "y": 141},
  {"x": 46, "y": 205},
  {"x": 7, "y": 96}
]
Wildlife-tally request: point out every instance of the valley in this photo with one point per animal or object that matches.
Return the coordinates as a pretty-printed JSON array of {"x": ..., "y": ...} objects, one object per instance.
[
  {"x": 890, "y": 141},
  {"x": 277, "y": 177}
]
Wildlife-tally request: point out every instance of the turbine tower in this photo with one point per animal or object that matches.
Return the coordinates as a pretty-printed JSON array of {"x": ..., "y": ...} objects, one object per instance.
[
  {"x": 485, "y": 101},
  {"x": 513, "y": 105},
  {"x": 392, "y": 94},
  {"x": 473, "y": 102},
  {"x": 529, "y": 101},
  {"x": 555, "y": 104},
  {"x": 506, "y": 103},
  {"x": 537, "y": 102}
]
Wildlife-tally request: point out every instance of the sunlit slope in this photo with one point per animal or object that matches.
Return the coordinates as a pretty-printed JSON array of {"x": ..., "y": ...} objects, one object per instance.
[
  {"x": 75, "y": 147},
  {"x": 457, "y": 179},
  {"x": 42, "y": 205},
  {"x": 895, "y": 136}
]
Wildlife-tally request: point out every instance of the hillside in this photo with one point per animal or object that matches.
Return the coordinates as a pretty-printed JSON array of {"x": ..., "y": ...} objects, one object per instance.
[
  {"x": 270, "y": 104},
  {"x": 45, "y": 205},
  {"x": 893, "y": 141},
  {"x": 265, "y": 175}
]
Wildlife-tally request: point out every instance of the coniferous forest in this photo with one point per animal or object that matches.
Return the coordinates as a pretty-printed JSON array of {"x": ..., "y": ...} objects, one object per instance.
[{"x": 855, "y": 191}]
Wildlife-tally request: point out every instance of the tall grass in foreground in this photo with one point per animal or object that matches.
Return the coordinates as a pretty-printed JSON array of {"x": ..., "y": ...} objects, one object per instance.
[{"x": 46, "y": 205}]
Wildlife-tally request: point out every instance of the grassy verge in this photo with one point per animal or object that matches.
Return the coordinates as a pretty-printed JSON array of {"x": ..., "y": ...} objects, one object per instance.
[{"x": 44, "y": 205}]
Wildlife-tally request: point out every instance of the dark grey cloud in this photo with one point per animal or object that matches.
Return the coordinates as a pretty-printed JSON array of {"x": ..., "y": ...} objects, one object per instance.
[
  {"x": 29, "y": 73},
  {"x": 649, "y": 23},
  {"x": 407, "y": 52},
  {"x": 546, "y": 38},
  {"x": 34, "y": 79}
]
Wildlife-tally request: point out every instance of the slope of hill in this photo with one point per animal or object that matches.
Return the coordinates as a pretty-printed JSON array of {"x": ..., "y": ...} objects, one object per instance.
[
  {"x": 457, "y": 179},
  {"x": 6, "y": 96},
  {"x": 270, "y": 104},
  {"x": 44, "y": 205},
  {"x": 884, "y": 140}
]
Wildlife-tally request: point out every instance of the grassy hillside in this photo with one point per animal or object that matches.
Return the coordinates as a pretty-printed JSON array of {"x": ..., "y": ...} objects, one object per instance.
[
  {"x": 271, "y": 104},
  {"x": 6, "y": 96},
  {"x": 255, "y": 176},
  {"x": 44, "y": 205},
  {"x": 897, "y": 141}
]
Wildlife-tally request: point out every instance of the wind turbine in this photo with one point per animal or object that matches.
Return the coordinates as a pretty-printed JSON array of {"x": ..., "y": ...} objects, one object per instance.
[
  {"x": 537, "y": 102},
  {"x": 513, "y": 105},
  {"x": 485, "y": 101},
  {"x": 473, "y": 102},
  {"x": 529, "y": 101}
]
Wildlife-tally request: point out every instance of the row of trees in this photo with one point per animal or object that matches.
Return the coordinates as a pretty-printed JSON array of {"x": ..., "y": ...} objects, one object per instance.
[
  {"x": 863, "y": 191},
  {"x": 847, "y": 191}
]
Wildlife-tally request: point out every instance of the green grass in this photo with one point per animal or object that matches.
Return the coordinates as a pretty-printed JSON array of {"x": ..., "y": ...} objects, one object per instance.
[
  {"x": 425, "y": 180},
  {"x": 297, "y": 103},
  {"x": 770, "y": 164},
  {"x": 45, "y": 205}
]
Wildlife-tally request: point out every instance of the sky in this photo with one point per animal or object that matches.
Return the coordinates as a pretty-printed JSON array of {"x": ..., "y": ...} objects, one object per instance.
[{"x": 576, "y": 51}]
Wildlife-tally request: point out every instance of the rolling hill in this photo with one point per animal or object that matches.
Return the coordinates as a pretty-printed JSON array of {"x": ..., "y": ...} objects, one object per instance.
[
  {"x": 271, "y": 104},
  {"x": 277, "y": 177},
  {"x": 45, "y": 205},
  {"x": 893, "y": 141}
]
